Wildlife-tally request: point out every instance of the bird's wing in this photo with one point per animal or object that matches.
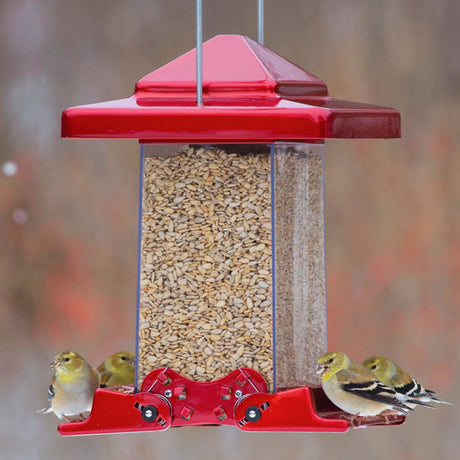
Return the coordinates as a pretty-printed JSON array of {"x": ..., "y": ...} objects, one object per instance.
[
  {"x": 96, "y": 377},
  {"x": 374, "y": 390},
  {"x": 51, "y": 392},
  {"x": 105, "y": 375},
  {"x": 101, "y": 367},
  {"x": 412, "y": 390}
]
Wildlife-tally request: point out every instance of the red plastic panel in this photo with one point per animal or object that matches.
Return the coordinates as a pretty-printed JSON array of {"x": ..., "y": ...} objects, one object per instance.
[
  {"x": 241, "y": 398},
  {"x": 203, "y": 403},
  {"x": 287, "y": 120},
  {"x": 231, "y": 71},
  {"x": 115, "y": 412},
  {"x": 290, "y": 410},
  {"x": 250, "y": 94},
  {"x": 303, "y": 410}
]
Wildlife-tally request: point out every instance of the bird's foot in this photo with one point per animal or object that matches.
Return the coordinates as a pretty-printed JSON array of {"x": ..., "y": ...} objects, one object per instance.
[
  {"x": 353, "y": 420},
  {"x": 75, "y": 418},
  {"x": 128, "y": 389}
]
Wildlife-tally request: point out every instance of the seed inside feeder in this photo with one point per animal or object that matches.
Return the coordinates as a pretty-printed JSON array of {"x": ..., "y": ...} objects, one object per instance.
[
  {"x": 206, "y": 295},
  {"x": 205, "y": 301}
]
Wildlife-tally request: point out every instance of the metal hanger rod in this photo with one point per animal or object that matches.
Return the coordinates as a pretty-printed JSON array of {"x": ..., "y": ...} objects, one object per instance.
[
  {"x": 199, "y": 52},
  {"x": 199, "y": 43},
  {"x": 260, "y": 21}
]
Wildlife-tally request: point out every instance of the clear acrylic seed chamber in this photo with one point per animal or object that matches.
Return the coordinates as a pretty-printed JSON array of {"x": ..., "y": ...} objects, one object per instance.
[
  {"x": 232, "y": 261},
  {"x": 231, "y": 313}
]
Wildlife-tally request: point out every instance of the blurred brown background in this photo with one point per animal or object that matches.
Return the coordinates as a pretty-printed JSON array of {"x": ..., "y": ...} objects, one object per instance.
[{"x": 68, "y": 223}]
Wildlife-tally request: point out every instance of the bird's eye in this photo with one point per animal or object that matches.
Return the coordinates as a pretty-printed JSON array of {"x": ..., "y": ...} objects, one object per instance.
[
  {"x": 374, "y": 367},
  {"x": 124, "y": 358},
  {"x": 67, "y": 359},
  {"x": 330, "y": 361}
]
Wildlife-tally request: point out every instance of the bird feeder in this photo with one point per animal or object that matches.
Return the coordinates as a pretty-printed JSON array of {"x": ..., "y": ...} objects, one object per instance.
[{"x": 231, "y": 308}]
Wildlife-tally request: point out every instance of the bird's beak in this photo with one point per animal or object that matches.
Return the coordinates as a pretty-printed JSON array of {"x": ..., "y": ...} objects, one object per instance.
[
  {"x": 321, "y": 370},
  {"x": 55, "y": 364},
  {"x": 132, "y": 361}
]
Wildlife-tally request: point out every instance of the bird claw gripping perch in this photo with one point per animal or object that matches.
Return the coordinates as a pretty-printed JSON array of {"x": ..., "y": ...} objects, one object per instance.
[{"x": 241, "y": 398}]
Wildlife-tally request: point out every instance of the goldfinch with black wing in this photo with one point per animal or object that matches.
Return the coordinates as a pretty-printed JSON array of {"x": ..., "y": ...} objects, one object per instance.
[
  {"x": 406, "y": 387},
  {"x": 355, "y": 389}
]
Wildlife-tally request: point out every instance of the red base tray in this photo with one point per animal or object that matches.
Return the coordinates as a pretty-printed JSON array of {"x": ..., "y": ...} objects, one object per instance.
[{"x": 241, "y": 399}]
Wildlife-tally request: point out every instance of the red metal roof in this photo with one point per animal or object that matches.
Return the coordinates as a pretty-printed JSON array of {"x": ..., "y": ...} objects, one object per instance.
[{"x": 250, "y": 94}]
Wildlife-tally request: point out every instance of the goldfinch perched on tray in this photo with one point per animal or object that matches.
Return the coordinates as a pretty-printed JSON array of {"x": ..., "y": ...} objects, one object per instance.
[
  {"x": 72, "y": 386},
  {"x": 397, "y": 378},
  {"x": 117, "y": 370},
  {"x": 355, "y": 389}
]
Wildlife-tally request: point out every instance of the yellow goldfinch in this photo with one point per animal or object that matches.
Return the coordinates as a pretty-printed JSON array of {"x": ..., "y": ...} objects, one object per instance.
[
  {"x": 407, "y": 388},
  {"x": 355, "y": 389},
  {"x": 118, "y": 369},
  {"x": 72, "y": 386}
]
